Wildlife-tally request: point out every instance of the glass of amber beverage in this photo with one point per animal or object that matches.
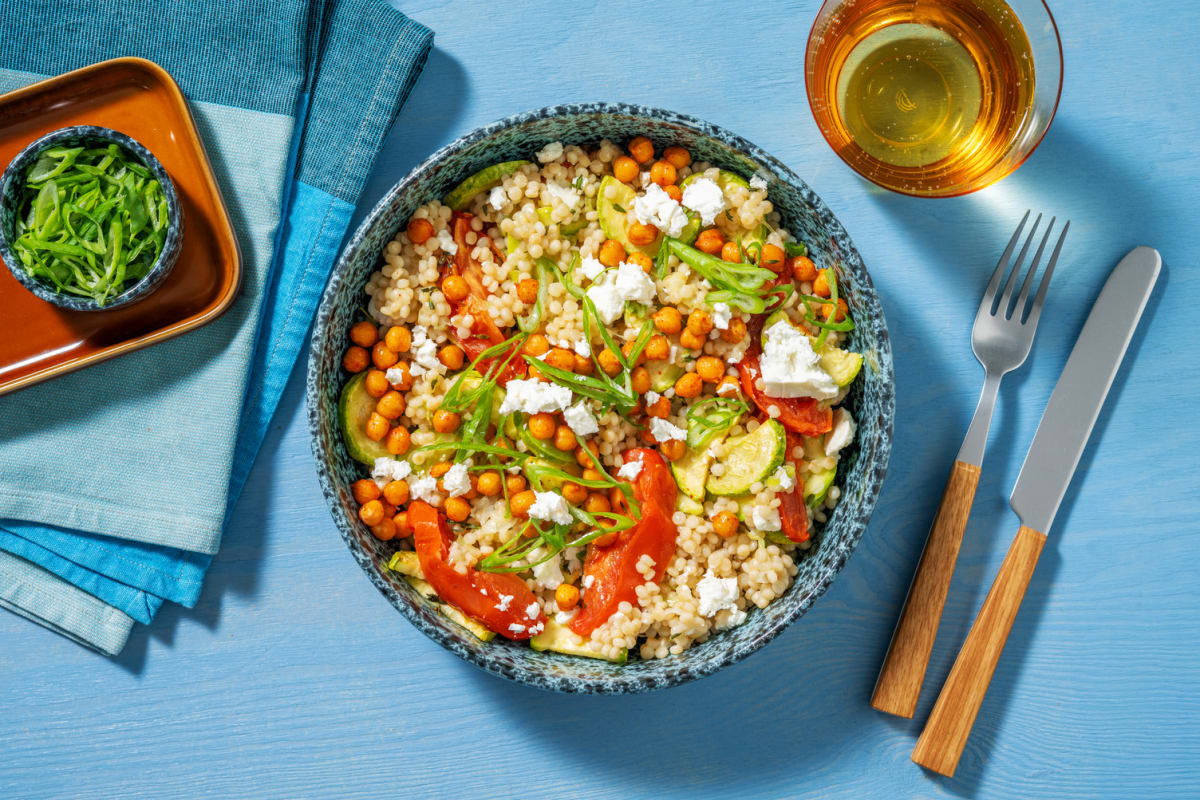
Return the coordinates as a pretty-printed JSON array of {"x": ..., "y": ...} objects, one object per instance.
[{"x": 933, "y": 98}]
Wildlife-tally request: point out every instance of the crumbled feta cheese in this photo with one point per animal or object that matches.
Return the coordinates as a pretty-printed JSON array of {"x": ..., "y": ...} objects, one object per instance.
[
  {"x": 765, "y": 518},
  {"x": 447, "y": 243},
  {"x": 395, "y": 375},
  {"x": 736, "y": 617},
  {"x": 389, "y": 469},
  {"x": 547, "y": 575},
  {"x": 551, "y": 152},
  {"x": 534, "y": 397},
  {"x": 842, "y": 432},
  {"x": 563, "y": 617},
  {"x": 580, "y": 420},
  {"x": 497, "y": 197},
  {"x": 564, "y": 194},
  {"x": 705, "y": 197},
  {"x": 652, "y": 397},
  {"x": 758, "y": 181},
  {"x": 727, "y": 389},
  {"x": 716, "y": 594},
  {"x": 786, "y": 482},
  {"x": 608, "y": 301},
  {"x": 516, "y": 628},
  {"x": 591, "y": 267},
  {"x": 532, "y": 610},
  {"x": 657, "y": 208},
  {"x": 722, "y": 315},
  {"x": 537, "y": 628},
  {"x": 664, "y": 431},
  {"x": 425, "y": 359},
  {"x": 630, "y": 470},
  {"x": 790, "y": 368},
  {"x": 550, "y": 506},
  {"x": 583, "y": 347},
  {"x": 634, "y": 285},
  {"x": 673, "y": 356},
  {"x": 456, "y": 480},
  {"x": 424, "y": 488},
  {"x": 505, "y": 600},
  {"x": 588, "y": 580}
]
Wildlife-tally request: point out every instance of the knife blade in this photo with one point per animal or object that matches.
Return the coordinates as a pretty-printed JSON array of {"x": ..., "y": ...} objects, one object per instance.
[{"x": 1079, "y": 394}]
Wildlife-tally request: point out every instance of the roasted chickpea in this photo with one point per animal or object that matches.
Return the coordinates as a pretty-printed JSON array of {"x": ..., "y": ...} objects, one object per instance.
[
  {"x": 445, "y": 421},
  {"x": 391, "y": 405},
  {"x": 364, "y": 491},
  {"x": 803, "y": 269},
  {"x": 527, "y": 290},
  {"x": 384, "y": 530},
  {"x": 403, "y": 529},
  {"x": 573, "y": 493},
  {"x": 564, "y": 438},
  {"x": 562, "y": 358},
  {"x": 383, "y": 356},
  {"x": 607, "y": 539},
  {"x": 772, "y": 258},
  {"x": 398, "y": 339},
  {"x": 639, "y": 380},
  {"x": 673, "y": 192},
  {"x": 642, "y": 150},
  {"x": 641, "y": 234},
  {"x": 406, "y": 379},
  {"x": 678, "y": 157},
  {"x": 536, "y": 374},
  {"x": 736, "y": 330},
  {"x": 537, "y": 345},
  {"x": 710, "y": 241},
  {"x": 396, "y": 492},
  {"x": 660, "y": 408},
  {"x": 590, "y": 474},
  {"x": 658, "y": 348},
  {"x": 609, "y": 362},
  {"x": 514, "y": 483},
  {"x": 455, "y": 288},
  {"x": 728, "y": 387},
  {"x": 356, "y": 359},
  {"x": 456, "y": 508},
  {"x": 642, "y": 260},
  {"x": 364, "y": 334},
  {"x": 596, "y": 502},
  {"x": 419, "y": 230},
  {"x": 663, "y": 173},
  {"x": 732, "y": 252},
  {"x": 582, "y": 459},
  {"x": 582, "y": 365},
  {"x": 377, "y": 426},
  {"x": 689, "y": 385},
  {"x": 520, "y": 503},
  {"x": 821, "y": 284},
  {"x": 691, "y": 341},
  {"x": 440, "y": 469},
  {"x": 710, "y": 368},
  {"x": 829, "y": 309},
  {"x": 668, "y": 320},
  {"x": 376, "y": 383},
  {"x": 700, "y": 322},
  {"x": 566, "y": 597},
  {"x": 611, "y": 253},
  {"x": 451, "y": 356},
  {"x": 542, "y": 425},
  {"x": 371, "y": 512},
  {"x": 488, "y": 483},
  {"x": 725, "y": 523},
  {"x": 398, "y": 440},
  {"x": 625, "y": 169},
  {"x": 672, "y": 449},
  {"x": 627, "y": 351}
]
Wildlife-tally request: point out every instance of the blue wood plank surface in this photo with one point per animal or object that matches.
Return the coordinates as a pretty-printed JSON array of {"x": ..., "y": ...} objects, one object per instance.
[{"x": 294, "y": 678}]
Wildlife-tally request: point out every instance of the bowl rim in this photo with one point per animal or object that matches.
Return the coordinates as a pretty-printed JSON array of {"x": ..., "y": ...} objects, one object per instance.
[
  {"x": 162, "y": 265},
  {"x": 625, "y": 682}
]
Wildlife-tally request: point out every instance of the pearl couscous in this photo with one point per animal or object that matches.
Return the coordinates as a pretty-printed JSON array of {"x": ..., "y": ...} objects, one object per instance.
[{"x": 598, "y": 396}]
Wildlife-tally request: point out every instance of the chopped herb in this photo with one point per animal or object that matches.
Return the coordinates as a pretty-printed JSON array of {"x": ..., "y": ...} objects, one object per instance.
[{"x": 620, "y": 208}]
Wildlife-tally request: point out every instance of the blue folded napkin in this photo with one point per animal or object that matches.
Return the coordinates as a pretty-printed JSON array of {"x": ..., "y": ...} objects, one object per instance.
[{"x": 115, "y": 481}]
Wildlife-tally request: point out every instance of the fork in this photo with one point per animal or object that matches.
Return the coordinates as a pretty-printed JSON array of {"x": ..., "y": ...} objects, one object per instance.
[{"x": 1001, "y": 338}]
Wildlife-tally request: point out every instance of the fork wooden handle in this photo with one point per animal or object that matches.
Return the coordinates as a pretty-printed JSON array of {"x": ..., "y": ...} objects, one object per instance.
[
  {"x": 899, "y": 682},
  {"x": 941, "y": 743}
]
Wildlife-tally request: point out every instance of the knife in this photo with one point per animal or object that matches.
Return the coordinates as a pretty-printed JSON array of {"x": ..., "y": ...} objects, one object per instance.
[{"x": 1057, "y": 446}]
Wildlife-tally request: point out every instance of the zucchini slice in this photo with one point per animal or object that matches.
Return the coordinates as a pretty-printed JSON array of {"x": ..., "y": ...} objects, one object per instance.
[
  {"x": 354, "y": 409},
  {"x": 561, "y": 639},
  {"x": 460, "y": 196},
  {"x": 749, "y": 459}
]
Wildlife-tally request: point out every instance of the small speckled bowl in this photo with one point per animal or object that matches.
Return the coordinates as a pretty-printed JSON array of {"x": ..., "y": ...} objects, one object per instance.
[
  {"x": 871, "y": 400},
  {"x": 89, "y": 136}
]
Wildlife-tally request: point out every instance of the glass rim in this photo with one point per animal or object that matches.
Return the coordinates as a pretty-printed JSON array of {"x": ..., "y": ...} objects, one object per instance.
[{"x": 1021, "y": 160}]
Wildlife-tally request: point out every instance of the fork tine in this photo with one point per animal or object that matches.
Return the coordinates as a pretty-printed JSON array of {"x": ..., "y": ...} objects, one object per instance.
[
  {"x": 1018, "y": 305},
  {"x": 1036, "y": 310},
  {"x": 1016, "y": 270},
  {"x": 989, "y": 294}
]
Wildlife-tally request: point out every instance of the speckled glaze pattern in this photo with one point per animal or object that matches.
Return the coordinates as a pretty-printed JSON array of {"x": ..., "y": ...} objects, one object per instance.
[
  {"x": 89, "y": 136},
  {"x": 871, "y": 400}
]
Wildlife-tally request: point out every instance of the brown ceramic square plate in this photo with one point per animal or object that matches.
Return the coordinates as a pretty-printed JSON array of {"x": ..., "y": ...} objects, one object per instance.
[{"x": 138, "y": 98}]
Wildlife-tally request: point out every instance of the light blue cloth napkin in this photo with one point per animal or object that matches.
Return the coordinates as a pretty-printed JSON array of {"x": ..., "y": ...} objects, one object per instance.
[{"x": 115, "y": 481}]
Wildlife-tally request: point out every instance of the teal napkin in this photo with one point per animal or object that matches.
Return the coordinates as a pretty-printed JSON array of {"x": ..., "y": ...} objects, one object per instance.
[{"x": 115, "y": 481}]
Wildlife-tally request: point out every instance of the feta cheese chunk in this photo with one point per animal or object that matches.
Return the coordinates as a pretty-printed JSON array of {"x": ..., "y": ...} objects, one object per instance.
[
  {"x": 652, "y": 397},
  {"x": 583, "y": 347},
  {"x": 548, "y": 575},
  {"x": 630, "y": 470},
  {"x": 657, "y": 208},
  {"x": 722, "y": 315},
  {"x": 457, "y": 480},
  {"x": 757, "y": 181},
  {"x": 716, "y": 594},
  {"x": 389, "y": 469},
  {"x": 534, "y": 397},
  {"x": 532, "y": 610},
  {"x": 564, "y": 194},
  {"x": 580, "y": 420},
  {"x": 790, "y": 368},
  {"x": 551, "y": 507},
  {"x": 705, "y": 197},
  {"x": 395, "y": 375},
  {"x": 424, "y": 488},
  {"x": 446, "y": 241},
  {"x": 786, "y": 482},
  {"x": 634, "y": 285},
  {"x": 516, "y": 628},
  {"x": 505, "y": 601},
  {"x": 551, "y": 152},
  {"x": 841, "y": 434},
  {"x": 764, "y": 518},
  {"x": 608, "y": 301},
  {"x": 664, "y": 431},
  {"x": 591, "y": 267},
  {"x": 497, "y": 197}
]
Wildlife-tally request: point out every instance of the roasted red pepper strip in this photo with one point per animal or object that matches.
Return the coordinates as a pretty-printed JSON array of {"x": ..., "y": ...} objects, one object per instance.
[
  {"x": 792, "y": 514},
  {"x": 501, "y": 601},
  {"x": 613, "y": 569},
  {"x": 798, "y": 414}
]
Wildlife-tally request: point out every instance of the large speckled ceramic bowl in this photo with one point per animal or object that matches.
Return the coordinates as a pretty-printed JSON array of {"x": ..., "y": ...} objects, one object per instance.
[
  {"x": 12, "y": 182},
  {"x": 871, "y": 400}
]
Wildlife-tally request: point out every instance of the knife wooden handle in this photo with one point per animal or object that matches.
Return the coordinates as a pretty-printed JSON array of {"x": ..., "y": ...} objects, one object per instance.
[
  {"x": 899, "y": 682},
  {"x": 941, "y": 743}
]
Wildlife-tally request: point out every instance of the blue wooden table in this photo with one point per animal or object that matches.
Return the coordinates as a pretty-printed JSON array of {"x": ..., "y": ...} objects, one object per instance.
[{"x": 293, "y": 677}]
